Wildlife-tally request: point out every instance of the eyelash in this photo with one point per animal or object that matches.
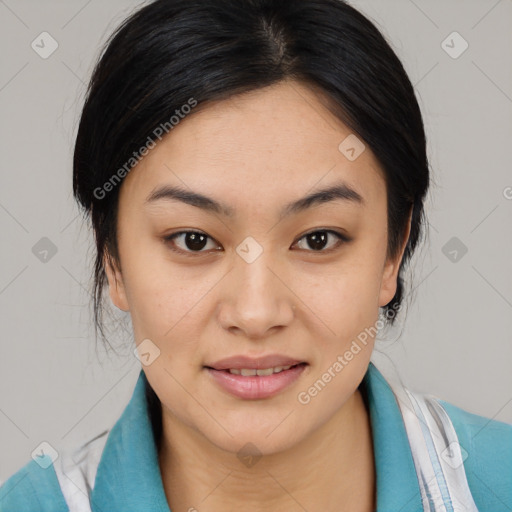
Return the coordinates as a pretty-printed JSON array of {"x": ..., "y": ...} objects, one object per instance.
[{"x": 342, "y": 239}]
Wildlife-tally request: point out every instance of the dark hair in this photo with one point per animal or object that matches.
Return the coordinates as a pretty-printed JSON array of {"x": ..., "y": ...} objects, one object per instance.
[{"x": 172, "y": 51}]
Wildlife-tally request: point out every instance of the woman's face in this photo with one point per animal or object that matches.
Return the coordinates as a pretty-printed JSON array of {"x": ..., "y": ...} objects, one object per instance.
[{"x": 262, "y": 278}]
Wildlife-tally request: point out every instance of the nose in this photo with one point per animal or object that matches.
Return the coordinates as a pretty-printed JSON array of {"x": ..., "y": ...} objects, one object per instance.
[{"x": 255, "y": 299}]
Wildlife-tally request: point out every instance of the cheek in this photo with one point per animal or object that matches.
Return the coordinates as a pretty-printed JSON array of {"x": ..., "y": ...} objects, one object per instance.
[
  {"x": 344, "y": 298},
  {"x": 159, "y": 294},
  {"x": 162, "y": 305}
]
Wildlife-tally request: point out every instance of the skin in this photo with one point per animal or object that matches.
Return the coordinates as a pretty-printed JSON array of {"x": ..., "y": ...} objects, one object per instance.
[{"x": 257, "y": 152}]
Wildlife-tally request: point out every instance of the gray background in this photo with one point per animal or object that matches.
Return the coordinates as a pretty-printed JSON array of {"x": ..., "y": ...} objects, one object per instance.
[{"x": 57, "y": 386}]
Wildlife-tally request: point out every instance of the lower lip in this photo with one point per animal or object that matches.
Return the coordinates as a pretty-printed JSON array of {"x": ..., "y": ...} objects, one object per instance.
[{"x": 255, "y": 387}]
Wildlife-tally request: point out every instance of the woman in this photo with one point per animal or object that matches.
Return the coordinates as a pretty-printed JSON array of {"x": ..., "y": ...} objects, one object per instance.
[{"x": 255, "y": 172}]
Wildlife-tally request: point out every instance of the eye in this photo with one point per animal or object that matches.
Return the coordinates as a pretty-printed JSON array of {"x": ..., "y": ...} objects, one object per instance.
[
  {"x": 191, "y": 241},
  {"x": 318, "y": 240},
  {"x": 196, "y": 241}
]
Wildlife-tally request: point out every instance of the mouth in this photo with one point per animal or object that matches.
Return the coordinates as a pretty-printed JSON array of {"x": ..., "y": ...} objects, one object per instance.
[
  {"x": 256, "y": 383},
  {"x": 260, "y": 372}
]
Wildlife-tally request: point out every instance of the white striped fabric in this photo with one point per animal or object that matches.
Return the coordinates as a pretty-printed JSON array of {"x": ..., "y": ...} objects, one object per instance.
[
  {"x": 436, "y": 453},
  {"x": 76, "y": 472}
]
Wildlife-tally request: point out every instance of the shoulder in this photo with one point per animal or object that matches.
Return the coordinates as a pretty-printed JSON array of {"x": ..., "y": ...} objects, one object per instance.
[
  {"x": 486, "y": 446},
  {"x": 31, "y": 488}
]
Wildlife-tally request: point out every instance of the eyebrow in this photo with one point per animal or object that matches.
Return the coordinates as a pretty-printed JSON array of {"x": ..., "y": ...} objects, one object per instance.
[{"x": 339, "y": 191}]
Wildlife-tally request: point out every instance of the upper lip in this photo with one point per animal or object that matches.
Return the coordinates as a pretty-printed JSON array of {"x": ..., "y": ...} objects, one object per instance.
[{"x": 240, "y": 361}]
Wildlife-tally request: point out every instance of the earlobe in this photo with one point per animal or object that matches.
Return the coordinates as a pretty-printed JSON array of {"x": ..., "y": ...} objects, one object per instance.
[
  {"x": 391, "y": 268},
  {"x": 115, "y": 284}
]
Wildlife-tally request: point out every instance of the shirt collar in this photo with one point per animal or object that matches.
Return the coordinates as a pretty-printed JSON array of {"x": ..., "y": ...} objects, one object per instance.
[
  {"x": 128, "y": 476},
  {"x": 397, "y": 483}
]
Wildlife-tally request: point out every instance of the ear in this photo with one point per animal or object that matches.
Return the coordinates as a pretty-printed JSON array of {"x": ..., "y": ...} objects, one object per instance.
[
  {"x": 115, "y": 284},
  {"x": 391, "y": 267}
]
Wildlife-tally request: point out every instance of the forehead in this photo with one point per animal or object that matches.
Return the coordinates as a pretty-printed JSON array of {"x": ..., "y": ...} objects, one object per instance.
[{"x": 266, "y": 145}]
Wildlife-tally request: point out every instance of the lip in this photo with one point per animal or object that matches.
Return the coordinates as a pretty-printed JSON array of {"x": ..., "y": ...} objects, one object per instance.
[
  {"x": 254, "y": 363},
  {"x": 258, "y": 386}
]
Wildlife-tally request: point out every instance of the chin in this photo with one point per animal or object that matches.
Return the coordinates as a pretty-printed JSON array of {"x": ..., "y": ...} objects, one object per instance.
[{"x": 256, "y": 441}]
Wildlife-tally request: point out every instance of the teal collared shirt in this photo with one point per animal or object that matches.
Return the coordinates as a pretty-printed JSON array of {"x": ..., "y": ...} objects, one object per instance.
[{"x": 128, "y": 476}]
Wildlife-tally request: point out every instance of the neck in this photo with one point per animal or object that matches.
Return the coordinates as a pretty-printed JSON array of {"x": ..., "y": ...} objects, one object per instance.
[{"x": 332, "y": 469}]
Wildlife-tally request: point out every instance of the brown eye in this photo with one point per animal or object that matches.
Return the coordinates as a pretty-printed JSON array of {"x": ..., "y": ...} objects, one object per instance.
[
  {"x": 318, "y": 240},
  {"x": 188, "y": 241}
]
